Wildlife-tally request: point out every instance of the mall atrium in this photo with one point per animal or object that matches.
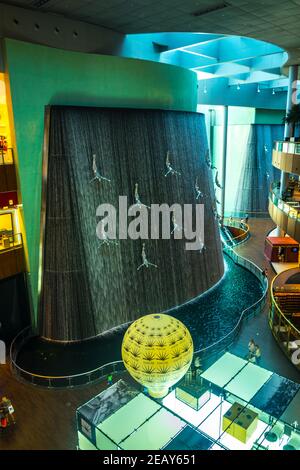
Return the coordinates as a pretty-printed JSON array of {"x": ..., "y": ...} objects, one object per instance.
[{"x": 149, "y": 225}]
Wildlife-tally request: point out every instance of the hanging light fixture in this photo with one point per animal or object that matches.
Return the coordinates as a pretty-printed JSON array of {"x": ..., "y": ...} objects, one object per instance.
[
  {"x": 258, "y": 89},
  {"x": 273, "y": 92},
  {"x": 238, "y": 86},
  {"x": 157, "y": 351},
  {"x": 205, "y": 89}
]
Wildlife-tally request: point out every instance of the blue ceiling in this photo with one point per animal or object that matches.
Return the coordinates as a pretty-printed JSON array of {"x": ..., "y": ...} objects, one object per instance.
[{"x": 220, "y": 61}]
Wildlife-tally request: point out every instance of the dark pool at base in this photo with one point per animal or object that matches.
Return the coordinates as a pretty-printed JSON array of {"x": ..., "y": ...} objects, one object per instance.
[{"x": 209, "y": 318}]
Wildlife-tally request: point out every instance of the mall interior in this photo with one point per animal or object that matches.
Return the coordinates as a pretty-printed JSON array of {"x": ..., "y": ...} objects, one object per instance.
[{"x": 134, "y": 341}]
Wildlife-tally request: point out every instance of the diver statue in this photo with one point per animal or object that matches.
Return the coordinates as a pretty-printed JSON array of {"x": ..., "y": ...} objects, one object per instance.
[
  {"x": 217, "y": 182},
  {"x": 208, "y": 161},
  {"x": 216, "y": 215},
  {"x": 199, "y": 194},
  {"x": 105, "y": 240},
  {"x": 138, "y": 202},
  {"x": 202, "y": 248},
  {"x": 145, "y": 263},
  {"x": 97, "y": 175},
  {"x": 176, "y": 227},
  {"x": 170, "y": 169}
]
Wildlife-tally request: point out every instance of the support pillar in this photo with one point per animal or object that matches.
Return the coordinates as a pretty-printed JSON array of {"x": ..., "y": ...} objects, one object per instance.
[
  {"x": 211, "y": 134},
  {"x": 224, "y": 161},
  {"x": 291, "y": 99}
]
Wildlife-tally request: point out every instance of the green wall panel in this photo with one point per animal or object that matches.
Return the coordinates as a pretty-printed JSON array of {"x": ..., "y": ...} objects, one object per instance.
[
  {"x": 39, "y": 76},
  {"x": 269, "y": 116}
]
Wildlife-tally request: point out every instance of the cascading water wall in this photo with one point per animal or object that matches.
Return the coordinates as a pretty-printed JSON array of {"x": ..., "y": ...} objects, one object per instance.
[
  {"x": 257, "y": 171},
  {"x": 89, "y": 287}
]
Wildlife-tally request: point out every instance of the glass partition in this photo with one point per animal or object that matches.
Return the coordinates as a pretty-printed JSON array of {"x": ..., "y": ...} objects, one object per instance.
[{"x": 287, "y": 147}]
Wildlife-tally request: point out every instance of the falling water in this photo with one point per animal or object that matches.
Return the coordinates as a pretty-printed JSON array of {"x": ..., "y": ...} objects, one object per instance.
[
  {"x": 257, "y": 172},
  {"x": 87, "y": 288}
]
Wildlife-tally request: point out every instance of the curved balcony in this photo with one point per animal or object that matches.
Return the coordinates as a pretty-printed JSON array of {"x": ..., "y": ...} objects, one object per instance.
[
  {"x": 239, "y": 231},
  {"x": 285, "y": 213},
  {"x": 286, "y": 157},
  {"x": 284, "y": 314}
]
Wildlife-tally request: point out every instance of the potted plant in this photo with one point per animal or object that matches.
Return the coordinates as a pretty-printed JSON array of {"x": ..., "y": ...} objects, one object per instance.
[{"x": 293, "y": 118}]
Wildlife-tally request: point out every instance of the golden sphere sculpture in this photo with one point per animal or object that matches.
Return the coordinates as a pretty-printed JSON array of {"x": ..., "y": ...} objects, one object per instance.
[{"x": 157, "y": 351}]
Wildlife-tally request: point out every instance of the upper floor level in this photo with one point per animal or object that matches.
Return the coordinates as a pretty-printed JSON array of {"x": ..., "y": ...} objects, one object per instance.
[{"x": 286, "y": 156}]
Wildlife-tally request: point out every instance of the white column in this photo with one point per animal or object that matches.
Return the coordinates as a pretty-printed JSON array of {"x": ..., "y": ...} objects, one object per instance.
[
  {"x": 291, "y": 99},
  {"x": 224, "y": 161}
]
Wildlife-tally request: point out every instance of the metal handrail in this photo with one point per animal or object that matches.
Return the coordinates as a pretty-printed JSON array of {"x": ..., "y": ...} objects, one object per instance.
[
  {"x": 27, "y": 333},
  {"x": 264, "y": 281},
  {"x": 273, "y": 300},
  {"x": 3, "y": 155},
  {"x": 275, "y": 198},
  {"x": 277, "y": 318},
  {"x": 37, "y": 379},
  {"x": 283, "y": 146},
  {"x": 241, "y": 225},
  {"x": 13, "y": 244}
]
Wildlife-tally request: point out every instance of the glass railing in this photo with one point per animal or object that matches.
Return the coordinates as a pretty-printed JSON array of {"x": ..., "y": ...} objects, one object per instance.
[
  {"x": 116, "y": 367},
  {"x": 284, "y": 330},
  {"x": 7, "y": 156},
  {"x": 287, "y": 147},
  {"x": 242, "y": 226},
  {"x": 222, "y": 345},
  {"x": 90, "y": 376},
  {"x": 289, "y": 207},
  {"x": 10, "y": 240}
]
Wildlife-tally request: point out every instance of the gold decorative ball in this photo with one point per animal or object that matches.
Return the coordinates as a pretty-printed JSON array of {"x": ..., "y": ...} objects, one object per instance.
[{"x": 157, "y": 351}]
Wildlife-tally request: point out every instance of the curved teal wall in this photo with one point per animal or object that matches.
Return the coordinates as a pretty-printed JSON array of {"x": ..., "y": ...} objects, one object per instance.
[{"x": 39, "y": 76}]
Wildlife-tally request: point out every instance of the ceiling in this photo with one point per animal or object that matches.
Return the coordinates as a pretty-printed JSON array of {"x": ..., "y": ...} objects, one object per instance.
[
  {"x": 268, "y": 20},
  {"x": 239, "y": 60}
]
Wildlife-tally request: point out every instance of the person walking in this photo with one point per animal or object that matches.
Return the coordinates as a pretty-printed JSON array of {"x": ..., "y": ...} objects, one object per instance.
[
  {"x": 257, "y": 354},
  {"x": 251, "y": 350}
]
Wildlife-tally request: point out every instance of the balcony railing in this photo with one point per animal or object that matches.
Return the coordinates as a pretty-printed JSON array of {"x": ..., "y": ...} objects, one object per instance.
[
  {"x": 244, "y": 229},
  {"x": 285, "y": 332},
  {"x": 117, "y": 367},
  {"x": 287, "y": 147},
  {"x": 284, "y": 213},
  {"x": 286, "y": 157},
  {"x": 7, "y": 156},
  {"x": 10, "y": 241},
  {"x": 289, "y": 207}
]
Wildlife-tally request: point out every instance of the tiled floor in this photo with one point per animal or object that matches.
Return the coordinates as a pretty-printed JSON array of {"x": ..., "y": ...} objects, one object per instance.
[{"x": 37, "y": 408}]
